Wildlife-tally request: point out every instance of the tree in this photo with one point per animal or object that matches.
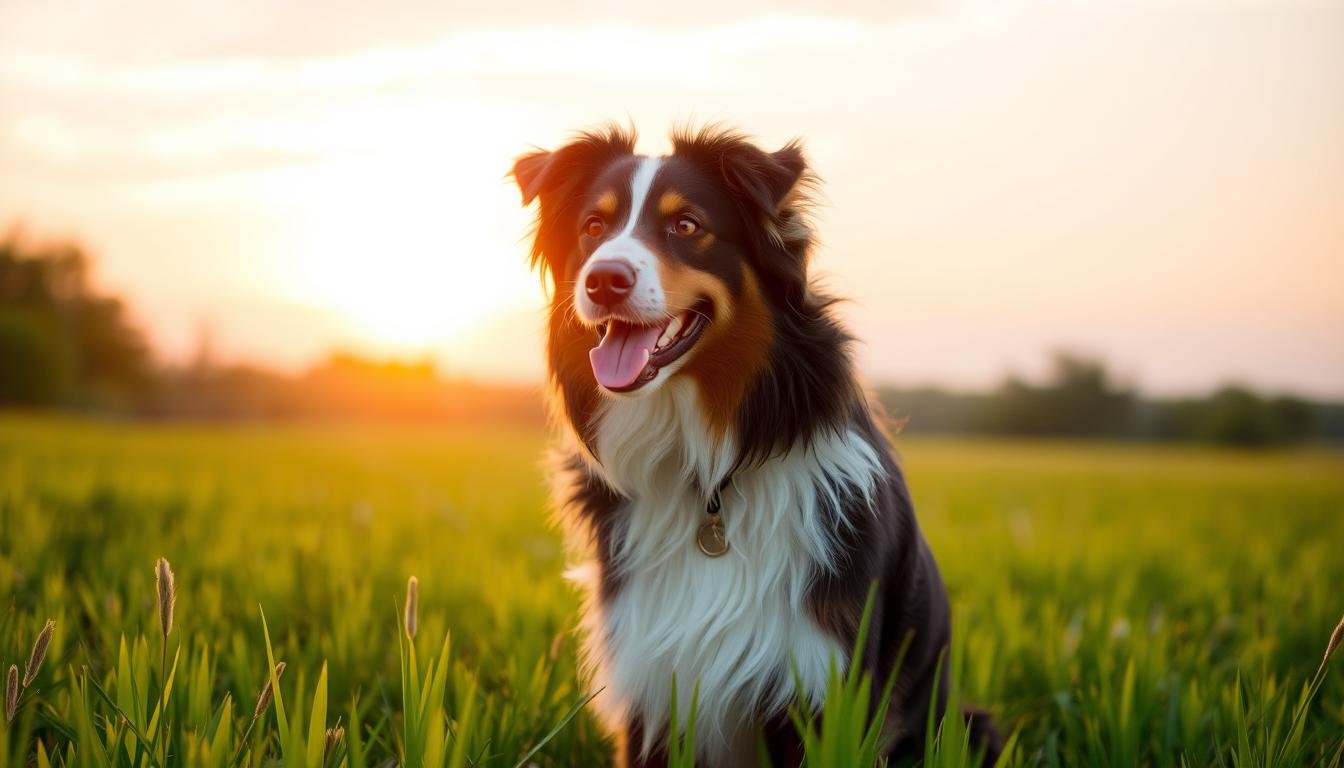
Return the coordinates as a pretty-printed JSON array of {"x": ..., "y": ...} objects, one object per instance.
[
  {"x": 34, "y": 371},
  {"x": 61, "y": 341},
  {"x": 1077, "y": 399}
]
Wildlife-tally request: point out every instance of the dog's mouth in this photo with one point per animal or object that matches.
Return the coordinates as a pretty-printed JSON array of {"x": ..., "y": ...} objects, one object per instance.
[{"x": 630, "y": 355}]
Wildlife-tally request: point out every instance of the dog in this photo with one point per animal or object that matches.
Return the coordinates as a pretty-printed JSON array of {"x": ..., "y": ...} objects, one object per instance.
[{"x": 720, "y": 465}]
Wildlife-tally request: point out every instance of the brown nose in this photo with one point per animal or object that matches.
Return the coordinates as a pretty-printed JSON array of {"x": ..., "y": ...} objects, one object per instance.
[{"x": 609, "y": 282}]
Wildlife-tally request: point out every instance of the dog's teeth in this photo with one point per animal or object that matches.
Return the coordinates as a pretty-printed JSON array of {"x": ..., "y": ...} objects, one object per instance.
[{"x": 673, "y": 328}]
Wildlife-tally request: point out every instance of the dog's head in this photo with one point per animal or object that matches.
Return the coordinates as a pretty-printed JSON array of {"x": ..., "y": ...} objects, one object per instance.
[{"x": 684, "y": 265}]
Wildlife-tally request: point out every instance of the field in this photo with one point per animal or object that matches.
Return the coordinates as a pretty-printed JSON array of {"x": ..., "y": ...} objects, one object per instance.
[{"x": 1114, "y": 604}]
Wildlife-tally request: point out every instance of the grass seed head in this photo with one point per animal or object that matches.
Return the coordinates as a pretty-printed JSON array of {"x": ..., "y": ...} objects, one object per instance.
[
  {"x": 39, "y": 653},
  {"x": 334, "y": 736},
  {"x": 1336, "y": 639},
  {"x": 264, "y": 698},
  {"x": 412, "y": 606},
  {"x": 163, "y": 582},
  {"x": 12, "y": 693}
]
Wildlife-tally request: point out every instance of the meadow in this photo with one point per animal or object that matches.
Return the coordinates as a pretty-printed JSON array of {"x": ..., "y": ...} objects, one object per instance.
[{"x": 1115, "y": 604}]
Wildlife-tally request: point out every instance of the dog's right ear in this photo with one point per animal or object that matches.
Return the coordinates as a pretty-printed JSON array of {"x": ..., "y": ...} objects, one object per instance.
[
  {"x": 530, "y": 173},
  {"x": 540, "y": 174},
  {"x": 557, "y": 179}
]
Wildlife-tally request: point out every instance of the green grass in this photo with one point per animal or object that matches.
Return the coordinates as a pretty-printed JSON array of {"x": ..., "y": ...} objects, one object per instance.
[{"x": 1114, "y": 604}]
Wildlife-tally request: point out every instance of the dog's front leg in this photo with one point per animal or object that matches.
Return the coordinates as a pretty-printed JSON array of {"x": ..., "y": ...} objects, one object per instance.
[
  {"x": 782, "y": 743},
  {"x": 629, "y": 753}
]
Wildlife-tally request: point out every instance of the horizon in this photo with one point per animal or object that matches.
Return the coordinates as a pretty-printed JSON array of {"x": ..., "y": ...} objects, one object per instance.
[{"x": 1161, "y": 186}]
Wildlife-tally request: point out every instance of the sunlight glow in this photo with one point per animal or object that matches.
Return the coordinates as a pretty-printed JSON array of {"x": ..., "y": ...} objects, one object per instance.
[
  {"x": 407, "y": 256},
  {"x": 1155, "y": 181}
]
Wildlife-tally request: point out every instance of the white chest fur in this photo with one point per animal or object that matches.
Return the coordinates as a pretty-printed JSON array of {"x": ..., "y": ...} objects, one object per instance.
[{"x": 738, "y": 624}]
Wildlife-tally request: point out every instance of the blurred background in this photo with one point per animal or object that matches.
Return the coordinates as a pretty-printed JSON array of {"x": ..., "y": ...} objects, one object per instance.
[
  {"x": 1120, "y": 219},
  {"x": 265, "y": 312}
]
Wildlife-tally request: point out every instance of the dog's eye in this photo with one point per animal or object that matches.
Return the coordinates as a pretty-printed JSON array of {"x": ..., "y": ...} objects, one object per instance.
[
  {"x": 685, "y": 226},
  {"x": 594, "y": 227}
]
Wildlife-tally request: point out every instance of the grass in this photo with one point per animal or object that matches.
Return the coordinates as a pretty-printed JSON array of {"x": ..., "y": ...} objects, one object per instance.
[{"x": 1114, "y": 604}]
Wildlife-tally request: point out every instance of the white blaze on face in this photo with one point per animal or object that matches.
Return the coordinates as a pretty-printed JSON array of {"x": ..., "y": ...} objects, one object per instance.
[
  {"x": 647, "y": 302},
  {"x": 634, "y": 325}
]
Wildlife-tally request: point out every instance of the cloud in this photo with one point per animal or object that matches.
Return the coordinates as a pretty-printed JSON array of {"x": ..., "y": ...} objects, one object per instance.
[
  {"x": 179, "y": 31},
  {"x": 131, "y": 120},
  {"x": 597, "y": 51}
]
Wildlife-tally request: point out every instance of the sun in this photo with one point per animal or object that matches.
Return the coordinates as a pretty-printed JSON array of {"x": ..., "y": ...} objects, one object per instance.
[{"x": 406, "y": 258}]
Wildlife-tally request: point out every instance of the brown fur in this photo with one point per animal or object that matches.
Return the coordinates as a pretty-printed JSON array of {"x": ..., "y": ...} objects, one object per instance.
[{"x": 731, "y": 355}]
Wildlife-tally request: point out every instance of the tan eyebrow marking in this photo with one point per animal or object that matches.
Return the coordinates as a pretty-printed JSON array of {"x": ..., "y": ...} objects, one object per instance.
[
  {"x": 670, "y": 203},
  {"x": 607, "y": 202},
  {"x": 703, "y": 244}
]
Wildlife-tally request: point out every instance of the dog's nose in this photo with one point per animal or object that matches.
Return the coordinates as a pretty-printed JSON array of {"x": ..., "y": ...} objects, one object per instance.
[{"x": 609, "y": 282}]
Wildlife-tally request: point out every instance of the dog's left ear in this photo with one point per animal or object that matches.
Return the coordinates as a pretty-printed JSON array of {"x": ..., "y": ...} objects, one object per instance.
[
  {"x": 770, "y": 190},
  {"x": 762, "y": 180},
  {"x": 768, "y": 178},
  {"x": 765, "y": 178}
]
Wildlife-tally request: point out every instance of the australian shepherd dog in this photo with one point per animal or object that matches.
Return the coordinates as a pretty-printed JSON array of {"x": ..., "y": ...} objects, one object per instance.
[{"x": 723, "y": 472}]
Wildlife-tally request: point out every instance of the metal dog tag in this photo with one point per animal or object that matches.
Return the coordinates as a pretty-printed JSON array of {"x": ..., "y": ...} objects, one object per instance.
[{"x": 711, "y": 537}]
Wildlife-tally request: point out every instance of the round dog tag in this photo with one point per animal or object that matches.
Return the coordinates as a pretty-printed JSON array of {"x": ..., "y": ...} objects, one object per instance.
[{"x": 712, "y": 538}]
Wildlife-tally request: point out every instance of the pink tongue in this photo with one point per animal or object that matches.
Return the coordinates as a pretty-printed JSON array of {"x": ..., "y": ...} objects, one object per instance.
[{"x": 622, "y": 354}]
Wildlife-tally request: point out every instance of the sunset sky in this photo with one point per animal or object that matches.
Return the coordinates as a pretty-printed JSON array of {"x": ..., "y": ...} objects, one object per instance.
[{"x": 1161, "y": 183}]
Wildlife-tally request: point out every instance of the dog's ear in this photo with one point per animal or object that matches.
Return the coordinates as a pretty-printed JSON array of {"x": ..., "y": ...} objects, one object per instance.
[
  {"x": 770, "y": 190},
  {"x": 530, "y": 173},
  {"x": 763, "y": 183},
  {"x": 765, "y": 178},
  {"x": 558, "y": 179},
  {"x": 542, "y": 173}
]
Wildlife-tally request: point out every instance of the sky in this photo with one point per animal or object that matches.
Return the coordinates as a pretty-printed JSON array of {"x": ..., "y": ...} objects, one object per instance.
[{"x": 1160, "y": 183}]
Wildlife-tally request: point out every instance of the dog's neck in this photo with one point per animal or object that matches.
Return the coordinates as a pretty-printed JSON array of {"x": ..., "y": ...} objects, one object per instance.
[
  {"x": 644, "y": 444},
  {"x": 659, "y": 453}
]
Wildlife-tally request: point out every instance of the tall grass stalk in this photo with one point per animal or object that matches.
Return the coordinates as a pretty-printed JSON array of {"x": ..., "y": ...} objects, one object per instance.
[
  {"x": 263, "y": 704},
  {"x": 165, "y": 589},
  {"x": 1290, "y": 748}
]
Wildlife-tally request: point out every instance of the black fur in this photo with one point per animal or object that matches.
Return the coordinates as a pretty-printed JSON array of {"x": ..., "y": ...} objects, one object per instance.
[{"x": 808, "y": 383}]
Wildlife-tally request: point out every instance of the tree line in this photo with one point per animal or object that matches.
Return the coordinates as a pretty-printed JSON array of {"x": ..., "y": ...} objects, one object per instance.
[
  {"x": 64, "y": 344},
  {"x": 1081, "y": 398}
]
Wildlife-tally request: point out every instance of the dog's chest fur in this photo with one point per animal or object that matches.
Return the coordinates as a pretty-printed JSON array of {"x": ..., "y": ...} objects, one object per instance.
[{"x": 739, "y": 625}]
